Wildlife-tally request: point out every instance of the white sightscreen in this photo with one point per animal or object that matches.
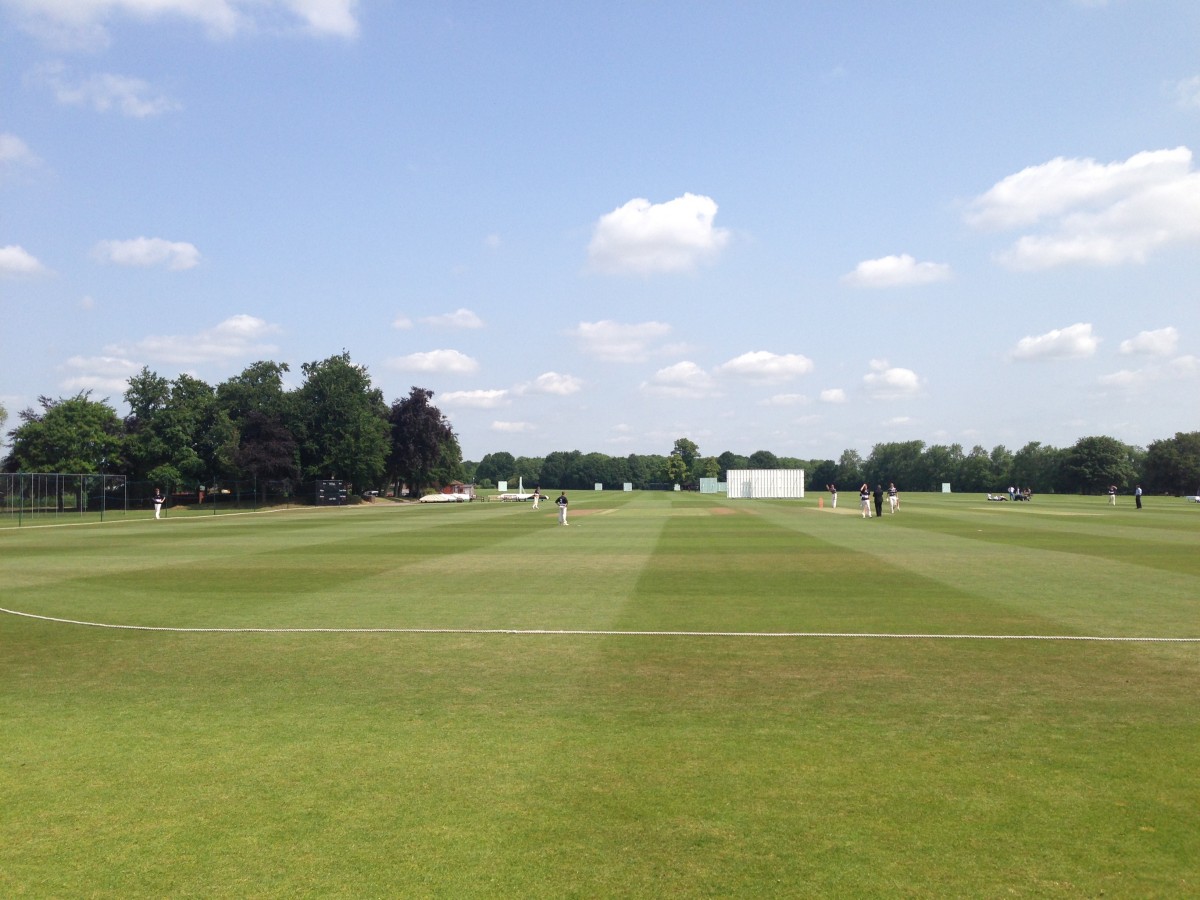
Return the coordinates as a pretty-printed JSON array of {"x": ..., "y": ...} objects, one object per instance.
[{"x": 765, "y": 483}]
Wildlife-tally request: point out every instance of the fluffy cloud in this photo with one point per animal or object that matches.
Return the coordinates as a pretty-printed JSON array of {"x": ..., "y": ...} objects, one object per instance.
[
  {"x": 460, "y": 318},
  {"x": 1094, "y": 213},
  {"x": 475, "y": 399},
  {"x": 896, "y": 271},
  {"x": 436, "y": 361},
  {"x": 105, "y": 92},
  {"x": 618, "y": 342},
  {"x": 145, "y": 252},
  {"x": 644, "y": 238},
  {"x": 99, "y": 373},
  {"x": 237, "y": 337},
  {"x": 885, "y": 382},
  {"x": 764, "y": 366},
  {"x": 833, "y": 395},
  {"x": 684, "y": 379},
  {"x": 402, "y": 322},
  {"x": 552, "y": 383},
  {"x": 1153, "y": 343},
  {"x": 75, "y": 24},
  {"x": 1182, "y": 368},
  {"x": 1073, "y": 342},
  {"x": 16, "y": 260}
]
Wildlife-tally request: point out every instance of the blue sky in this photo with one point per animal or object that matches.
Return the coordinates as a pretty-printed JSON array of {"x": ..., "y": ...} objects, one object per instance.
[{"x": 799, "y": 227}]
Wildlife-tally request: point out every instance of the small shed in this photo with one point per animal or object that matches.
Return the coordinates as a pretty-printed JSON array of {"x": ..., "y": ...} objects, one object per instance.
[{"x": 459, "y": 490}]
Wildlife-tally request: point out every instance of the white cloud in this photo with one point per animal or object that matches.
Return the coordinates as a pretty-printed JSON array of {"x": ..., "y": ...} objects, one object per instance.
[
  {"x": 896, "y": 271},
  {"x": 644, "y": 238},
  {"x": 833, "y": 395},
  {"x": 99, "y": 373},
  {"x": 618, "y": 342},
  {"x": 145, "y": 252},
  {"x": 79, "y": 24},
  {"x": 764, "y": 366},
  {"x": 1073, "y": 342},
  {"x": 402, "y": 322},
  {"x": 886, "y": 382},
  {"x": 16, "y": 260},
  {"x": 1182, "y": 368},
  {"x": 1160, "y": 342},
  {"x": 493, "y": 242},
  {"x": 237, "y": 337},
  {"x": 436, "y": 361},
  {"x": 552, "y": 383},
  {"x": 105, "y": 92},
  {"x": 513, "y": 427},
  {"x": 460, "y": 318},
  {"x": 684, "y": 379},
  {"x": 475, "y": 399},
  {"x": 1187, "y": 92},
  {"x": 1095, "y": 213}
]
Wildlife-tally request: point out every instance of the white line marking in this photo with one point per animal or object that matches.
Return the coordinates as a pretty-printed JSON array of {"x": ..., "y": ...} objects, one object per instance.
[{"x": 602, "y": 633}]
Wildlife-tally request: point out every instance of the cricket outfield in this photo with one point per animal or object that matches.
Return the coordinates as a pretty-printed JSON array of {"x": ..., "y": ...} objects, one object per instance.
[{"x": 675, "y": 695}]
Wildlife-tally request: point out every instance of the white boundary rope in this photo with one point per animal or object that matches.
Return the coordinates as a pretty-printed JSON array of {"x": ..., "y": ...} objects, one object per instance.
[{"x": 601, "y": 633}]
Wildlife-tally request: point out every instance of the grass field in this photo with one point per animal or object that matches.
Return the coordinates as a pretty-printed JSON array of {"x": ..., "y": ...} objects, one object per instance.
[{"x": 483, "y": 760}]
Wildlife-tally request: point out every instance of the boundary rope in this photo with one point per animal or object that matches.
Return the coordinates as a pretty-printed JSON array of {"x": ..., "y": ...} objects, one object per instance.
[{"x": 584, "y": 632}]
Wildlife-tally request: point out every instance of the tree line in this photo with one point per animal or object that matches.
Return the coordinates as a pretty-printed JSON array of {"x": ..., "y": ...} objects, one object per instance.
[
  {"x": 1089, "y": 466},
  {"x": 183, "y": 433},
  {"x": 336, "y": 425}
]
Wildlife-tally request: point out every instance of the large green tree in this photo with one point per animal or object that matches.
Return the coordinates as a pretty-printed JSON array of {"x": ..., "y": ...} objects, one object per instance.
[
  {"x": 178, "y": 433},
  {"x": 1037, "y": 467},
  {"x": 76, "y": 435},
  {"x": 496, "y": 467},
  {"x": 897, "y": 461},
  {"x": 341, "y": 423},
  {"x": 1172, "y": 465},
  {"x": 1094, "y": 463},
  {"x": 423, "y": 447}
]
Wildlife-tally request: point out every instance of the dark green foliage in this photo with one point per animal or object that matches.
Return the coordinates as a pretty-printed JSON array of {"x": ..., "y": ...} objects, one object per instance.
[
  {"x": 1173, "y": 464},
  {"x": 1094, "y": 463},
  {"x": 341, "y": 423},
  {"x": 71, "y": 434},
  {"x": 424, "y": 449}
]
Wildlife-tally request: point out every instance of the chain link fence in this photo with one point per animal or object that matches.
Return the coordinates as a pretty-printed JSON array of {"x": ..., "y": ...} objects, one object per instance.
[{"x": 42, "y": 498}]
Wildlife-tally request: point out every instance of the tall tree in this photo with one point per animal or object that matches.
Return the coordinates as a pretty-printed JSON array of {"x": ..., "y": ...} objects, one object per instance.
[
  {"x": 898, "y": 461},
  {"x": 177, "y": 432},
  {"x": 341, "y": 423},
  {"x": 729, "y": 460},
  {"x": 763, "y": 459},
  {"x": 940, "y": 465},
  {"x": 72, "y": 434},
  {"x": 686, "y": 450},
  {"x": 258, "y": 388},
  {"x": 1173, "y": 464},
  {"x": 976, "y": 473},
  {"x": 851, "y": 470},
  {"x": 423, "y": 446},
  {"x": 1094, "y": 463},
  {"x": 496, "y": 467},
  {"x": 267, "y": 449},
  {"x": 1037, "y": 467}
]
